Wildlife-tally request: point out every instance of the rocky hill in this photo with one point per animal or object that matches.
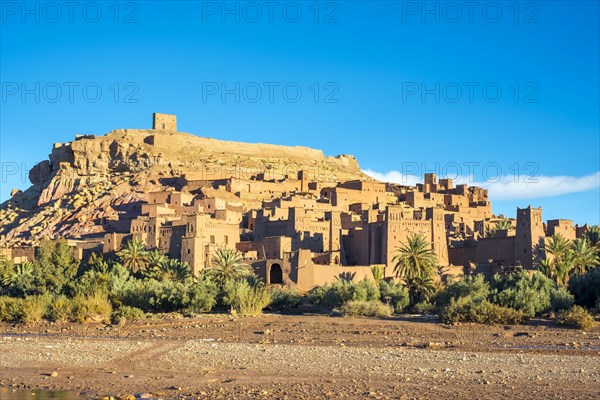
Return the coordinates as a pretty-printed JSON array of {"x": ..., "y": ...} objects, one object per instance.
[{"x": 97, "y": 178}]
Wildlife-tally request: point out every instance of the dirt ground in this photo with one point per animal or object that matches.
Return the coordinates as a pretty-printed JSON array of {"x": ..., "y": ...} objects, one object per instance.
[{"x": 302, "y": 357}]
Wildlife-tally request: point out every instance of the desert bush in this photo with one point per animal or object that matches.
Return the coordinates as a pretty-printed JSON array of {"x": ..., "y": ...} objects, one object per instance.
[
  {"x": 561, "y": 299},
  {"x": 285, "y": 298},
  {"x": 466, "y": 310},
  {"x": 120, "y": 278},
  {"x": 59, "y": 309},
  {"x": 202, "y": 296},
  {"x": 586, "y": 288},
  {"x": 342, "y": 291},
  {"x": 21, "y": 285},
  {"x": 530, "y": 294},
  {"x": 95, "y": 307},
  {"x": 34, "y": 308},
  {"x": 396, "y": 293},
  {"x": 473, "y": 287},
  {"x": 90, "y": 283},
  {"x": 11, "y": 309},
  {"x": 244, "y": 298},
  {"x": 458, "y": 310},
  {"x": 155, "y": 296},
  {"x": 424, "y": 307},
  {"x": 55, "y": 267},
  {"x": 493, "y": 314},
  {"x": 126, "y": 313},
  {"x": 317, "y": 294},
  {"x": 360, "y": 308},
  {"x": 576, "y": 316}
]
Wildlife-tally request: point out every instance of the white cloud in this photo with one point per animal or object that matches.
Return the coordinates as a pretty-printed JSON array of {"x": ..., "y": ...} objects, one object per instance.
[
  {"x": 509, "y": 188},
  {"x": 394, "y": 177}
]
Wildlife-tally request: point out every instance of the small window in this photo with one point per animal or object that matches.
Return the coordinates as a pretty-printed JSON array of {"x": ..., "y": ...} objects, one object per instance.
[
  {"x": 212, "y": 239},
  {"x": 188, "y": 251}
]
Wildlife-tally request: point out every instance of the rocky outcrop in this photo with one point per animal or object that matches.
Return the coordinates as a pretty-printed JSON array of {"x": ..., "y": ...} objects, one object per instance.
[
  {"x": 40, "y": 173},
  {"x": 92, "y": 179}
]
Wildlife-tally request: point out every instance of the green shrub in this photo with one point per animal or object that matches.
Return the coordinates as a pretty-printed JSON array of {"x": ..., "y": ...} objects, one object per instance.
[
  {"x": 11, "y": 309},
  {"x": 561, "y": 299},
  {"x": 530, "y": 294},
  {"x": 424, "y": 307},
  {"x": 473, "y": 287},
  {"x": 59, "y": 309},
  {"x": 465, "y": 309},
  {"x": 577, "y": 316},
  {"x": 155, "y": 296},
  {"x": 92, "y": 282},
  {"x": 34, "y": 308},
  {"x": 342, "y": 291},
  {"x": 246, "y": 299},
  {"x": 360, "y": 308},
  {"x": 91, "y": 308},
  {"x": 202, "y": 297},
  {"x": 586, "y": 288},
  {"x": 22, "y": 285},
  {"x": 397, "y": 294},
  {"x": 317, "y": 294},
  {"x": 493, "y": 314},
  {"x": 55, "y": 267},
  {"x": 457, "y": 311},
  {"x": 126, "y": 313},
  {"x": 285, "y": 298}
]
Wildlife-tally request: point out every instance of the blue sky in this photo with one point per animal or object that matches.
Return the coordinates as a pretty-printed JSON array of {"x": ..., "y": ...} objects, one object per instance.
[{"x": 502, "y": 95}]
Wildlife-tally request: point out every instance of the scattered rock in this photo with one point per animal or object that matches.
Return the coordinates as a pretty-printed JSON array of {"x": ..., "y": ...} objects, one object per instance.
[{"x": 434, "y": 345}]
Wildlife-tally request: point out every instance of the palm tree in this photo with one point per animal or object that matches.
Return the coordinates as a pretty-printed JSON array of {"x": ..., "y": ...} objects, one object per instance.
[
  {"x": 421, "y": 288},
  {"x": 156, "y": 258},
  {"x": 416, "y": 264},
  {"x": 557, "y": 246},
  {"x": 134, "y": 255},
  {"x": 593, "y": 235},
  {"x": 546, "y": 267},
  {"x": 563, "y": 258},
  {"x": 6, "y": 271},
  {"x": 24, "y": 269},
  {"x": 377, "y": 271},
  {"x": 564, "y": 267},
  {"x": 96, "y": 262},
  {"x": 415, "y": 259},
  {"x": 227, "y": 266},
  {"x": 585, "y": 255},
  {"x": 502, "y": 225},
  {"x": 171, "y": 270}
]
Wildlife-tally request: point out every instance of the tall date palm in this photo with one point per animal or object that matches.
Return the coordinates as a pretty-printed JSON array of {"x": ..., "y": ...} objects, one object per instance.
[{"x": 134, "y": 256}]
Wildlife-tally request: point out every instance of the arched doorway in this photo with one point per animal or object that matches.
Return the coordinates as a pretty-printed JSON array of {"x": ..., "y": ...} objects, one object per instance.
[{"x": 275, "y": 274}]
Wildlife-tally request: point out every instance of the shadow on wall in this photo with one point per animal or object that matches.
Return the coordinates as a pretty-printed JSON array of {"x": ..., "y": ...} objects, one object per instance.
[{"x": 346, "y": 276}]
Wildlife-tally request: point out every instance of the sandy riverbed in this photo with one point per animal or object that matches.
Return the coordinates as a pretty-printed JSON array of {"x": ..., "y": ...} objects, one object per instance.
[{"x": 308, "y": 357}]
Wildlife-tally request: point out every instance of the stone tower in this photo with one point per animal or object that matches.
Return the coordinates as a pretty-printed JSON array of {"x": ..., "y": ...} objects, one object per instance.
[
  {"x": 438, "y": 234},
  {"x": 164, "y": 122},
  {"x": 529, "y": 236}
]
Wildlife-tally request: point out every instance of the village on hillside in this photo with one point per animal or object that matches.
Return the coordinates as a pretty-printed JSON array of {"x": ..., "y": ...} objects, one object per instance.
[{"x": 301, "y": 231}]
